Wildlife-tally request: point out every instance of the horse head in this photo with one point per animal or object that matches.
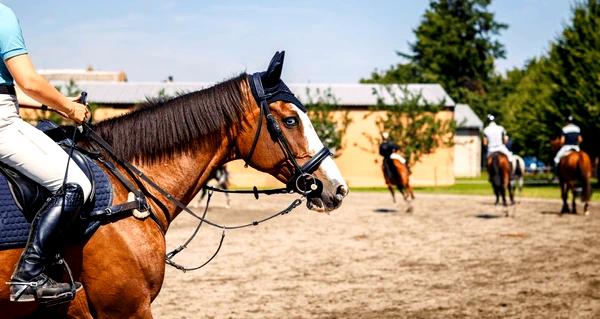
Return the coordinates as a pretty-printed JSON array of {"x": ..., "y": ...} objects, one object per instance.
[{"x": 282, "y": 141}]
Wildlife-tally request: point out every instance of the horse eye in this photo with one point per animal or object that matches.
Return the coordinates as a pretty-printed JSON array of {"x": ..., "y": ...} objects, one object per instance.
[{"x": 290, "y": 121}]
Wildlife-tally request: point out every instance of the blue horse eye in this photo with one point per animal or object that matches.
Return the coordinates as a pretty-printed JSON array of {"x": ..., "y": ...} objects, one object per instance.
[{"x": 290, "y": 121}]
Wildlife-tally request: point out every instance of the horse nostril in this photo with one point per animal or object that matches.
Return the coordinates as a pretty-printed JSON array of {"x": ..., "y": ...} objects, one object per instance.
[{"x": 342, "y": 190}]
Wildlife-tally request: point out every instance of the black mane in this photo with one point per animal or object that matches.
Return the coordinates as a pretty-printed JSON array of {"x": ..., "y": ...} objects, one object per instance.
[{"x": 161, "y": 129}]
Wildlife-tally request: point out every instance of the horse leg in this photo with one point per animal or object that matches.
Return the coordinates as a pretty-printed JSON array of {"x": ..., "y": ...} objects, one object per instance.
[
  {"x": 406, "y": 196},
  {"x": 564, "y": 192},
  {"x": 503, "y": 193},
  {"x": 391, "y": 188},
  {"x": 511, "y": 193},
  {"x": 573, "y": 203},
  {"x": 497, "y": 193},
  {"x": 586, "y": 195},
  {"x": 410, "y": 190}
]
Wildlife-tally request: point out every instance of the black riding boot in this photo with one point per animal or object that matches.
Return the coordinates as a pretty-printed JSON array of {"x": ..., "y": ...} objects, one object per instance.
[{"x": 28, "y": 282}]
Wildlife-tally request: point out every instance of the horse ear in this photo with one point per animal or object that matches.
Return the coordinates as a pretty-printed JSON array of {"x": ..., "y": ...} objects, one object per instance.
[{"x": 273, "y": 73}]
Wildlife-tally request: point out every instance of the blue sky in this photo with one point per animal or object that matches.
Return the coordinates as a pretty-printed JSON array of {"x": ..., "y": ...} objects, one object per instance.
[{"x": 325, "y": 41}]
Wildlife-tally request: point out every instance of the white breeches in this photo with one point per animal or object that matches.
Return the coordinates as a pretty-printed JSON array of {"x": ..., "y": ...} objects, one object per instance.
[
  {"x": 502, "y": 149},
  {"x": 564, "y": 150},
  {"x": 31, "y": 152},
  {"x": 396, "y": 156}
]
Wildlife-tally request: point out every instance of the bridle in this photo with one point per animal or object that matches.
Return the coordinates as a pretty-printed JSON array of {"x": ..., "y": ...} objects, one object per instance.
[{"x": 302, "y": 181}]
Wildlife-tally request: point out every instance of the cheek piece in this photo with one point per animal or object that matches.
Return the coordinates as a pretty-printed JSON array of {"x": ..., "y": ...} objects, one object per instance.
[{"x": 303, "y": 181}]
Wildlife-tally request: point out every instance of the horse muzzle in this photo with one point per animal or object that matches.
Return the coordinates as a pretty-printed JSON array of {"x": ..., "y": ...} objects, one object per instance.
[{"x": 322, "y": 193}]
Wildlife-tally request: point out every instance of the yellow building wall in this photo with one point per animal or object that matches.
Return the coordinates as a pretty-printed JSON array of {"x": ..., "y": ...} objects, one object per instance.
[{"x": 360, "y": 162}]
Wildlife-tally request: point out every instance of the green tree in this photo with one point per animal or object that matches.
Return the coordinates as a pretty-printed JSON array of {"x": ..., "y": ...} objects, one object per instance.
[
  {"x": 330, "y": 126},
  {"x": 565, "y": 81},
  {"x": 399, "y": 73},
  {"x": 575, "y": 74},
  {"x": 455, "y": 46},
  {"x": 412, "y": 123},
  {"x": 525, "y": 109}
]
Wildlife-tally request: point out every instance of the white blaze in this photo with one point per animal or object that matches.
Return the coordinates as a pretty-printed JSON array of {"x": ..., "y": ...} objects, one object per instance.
[{"x": 327, "y": 167}]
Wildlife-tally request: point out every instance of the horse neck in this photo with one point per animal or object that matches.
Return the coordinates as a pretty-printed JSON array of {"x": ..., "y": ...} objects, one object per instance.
[{"x": 184, "y": 175}]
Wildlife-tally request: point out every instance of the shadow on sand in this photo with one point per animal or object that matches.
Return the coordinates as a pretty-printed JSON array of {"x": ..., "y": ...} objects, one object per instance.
[
  {"x": 489, "y": 215},
  {"x": 385, "y": 210},
  {"x": 557, "y": 213}
]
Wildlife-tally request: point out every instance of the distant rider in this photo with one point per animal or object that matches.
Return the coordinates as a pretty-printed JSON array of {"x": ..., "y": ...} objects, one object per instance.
[
  {"x": 570, "y": 140},
  {"x": 388, "y": 149},
  {"x": 495, "y": 138}
]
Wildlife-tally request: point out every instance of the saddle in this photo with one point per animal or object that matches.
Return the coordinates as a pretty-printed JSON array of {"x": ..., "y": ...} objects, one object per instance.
[{"x": 21, "y": 198}]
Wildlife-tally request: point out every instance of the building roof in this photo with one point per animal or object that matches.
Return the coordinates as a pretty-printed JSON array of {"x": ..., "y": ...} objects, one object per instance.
[
  {"x": 346, "y": 94},
  {"x": 78, "y": 75},
  {"x": 464, "y": 117}
]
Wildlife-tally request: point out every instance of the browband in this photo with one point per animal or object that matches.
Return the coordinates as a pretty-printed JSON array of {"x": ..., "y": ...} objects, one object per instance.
[{"x": 277, "y": 92}]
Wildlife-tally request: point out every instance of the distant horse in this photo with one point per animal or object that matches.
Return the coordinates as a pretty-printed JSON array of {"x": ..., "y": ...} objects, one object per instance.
[
  {"x": 221, "y": 177},
  {"x": 397, "y": 174},
  {"x": 499, "y": 173},
  {"x": 518, "y": 172},
  {"x": 179, "y": 143},
  {"x": 573, "y": 169}
]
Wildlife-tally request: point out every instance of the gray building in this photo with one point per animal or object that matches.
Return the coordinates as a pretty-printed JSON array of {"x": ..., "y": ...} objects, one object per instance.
[{"x": 467, "y": 142}]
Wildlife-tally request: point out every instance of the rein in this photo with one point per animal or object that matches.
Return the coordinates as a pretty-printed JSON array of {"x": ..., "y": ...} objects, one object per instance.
[
  {"x": 137, "y": 175},
  {"x": 302, "y": 182}
]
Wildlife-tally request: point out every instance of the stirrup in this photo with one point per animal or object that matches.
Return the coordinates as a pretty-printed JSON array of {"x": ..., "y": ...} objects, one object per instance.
[
  {"x": 25, "y": 298},
  {"x": 32, "y": 295},
  {"x": 64, "y": 297}
]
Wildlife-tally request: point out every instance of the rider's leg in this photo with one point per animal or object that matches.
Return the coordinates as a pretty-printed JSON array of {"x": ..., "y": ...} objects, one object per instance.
[
  {"x": 28, "y": 281},
  {"x": 557, "y": 158},
  {"x": 38, "y": 157}
]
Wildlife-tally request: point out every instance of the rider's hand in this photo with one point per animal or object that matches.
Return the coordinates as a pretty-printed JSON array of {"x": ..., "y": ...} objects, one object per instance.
[{"x": 79, "y": 113}]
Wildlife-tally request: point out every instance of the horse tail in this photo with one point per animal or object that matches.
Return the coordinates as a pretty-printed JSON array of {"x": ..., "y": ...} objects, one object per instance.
[{"x": 497, "y": 178}]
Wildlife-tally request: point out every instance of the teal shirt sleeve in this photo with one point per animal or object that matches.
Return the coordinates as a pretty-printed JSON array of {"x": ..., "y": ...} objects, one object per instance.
[{"x": 11, "y": 36}]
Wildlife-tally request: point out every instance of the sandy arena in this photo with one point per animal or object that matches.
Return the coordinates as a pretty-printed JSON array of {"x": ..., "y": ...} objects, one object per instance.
[{"x": 454, "y": 257}]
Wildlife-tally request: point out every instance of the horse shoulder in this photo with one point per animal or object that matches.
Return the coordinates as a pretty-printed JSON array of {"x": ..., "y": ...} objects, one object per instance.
[{"x": 124, "y": 265}]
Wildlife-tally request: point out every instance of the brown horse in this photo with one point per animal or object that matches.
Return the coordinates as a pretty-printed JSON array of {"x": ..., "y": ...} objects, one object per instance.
[
  {"x": 499, "y": 172},
  {"x": 179, "y": 143},
  {"x": 573, "y": 169},
  {"x": 397, "y": 174}
]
